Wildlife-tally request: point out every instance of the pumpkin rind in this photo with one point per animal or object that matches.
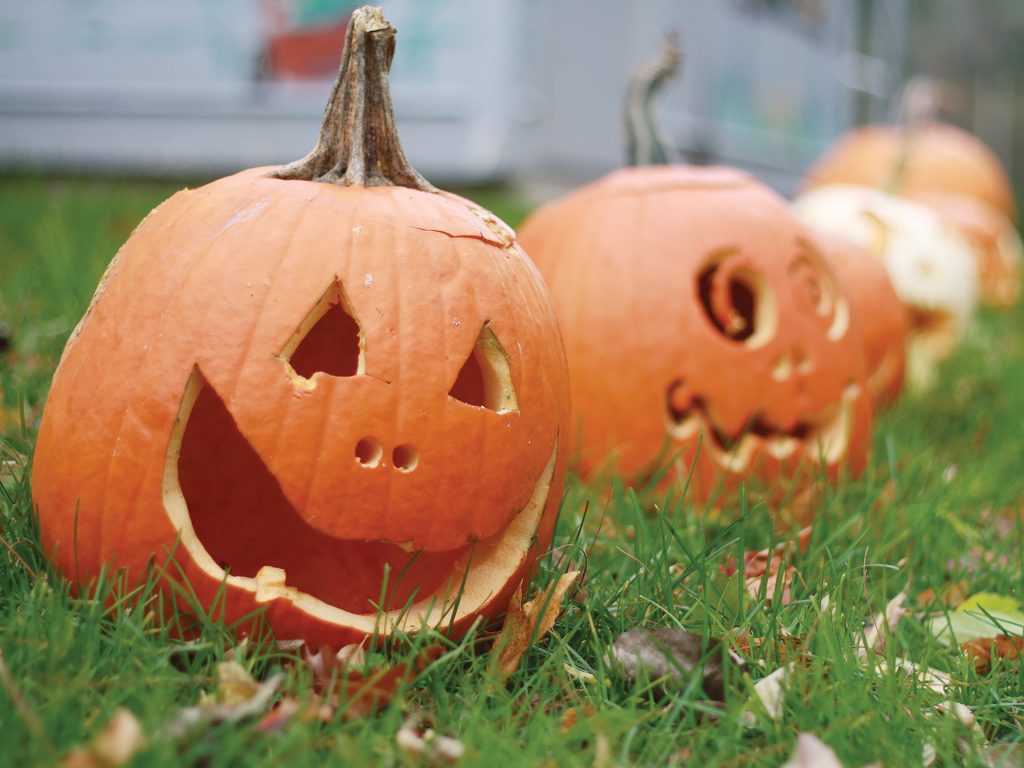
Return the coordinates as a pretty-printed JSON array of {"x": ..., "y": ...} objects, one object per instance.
[{"x": 882, "y": 318}]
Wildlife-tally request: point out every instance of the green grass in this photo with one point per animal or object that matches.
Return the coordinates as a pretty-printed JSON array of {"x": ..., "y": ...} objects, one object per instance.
[{"x": 939, "y": 503}]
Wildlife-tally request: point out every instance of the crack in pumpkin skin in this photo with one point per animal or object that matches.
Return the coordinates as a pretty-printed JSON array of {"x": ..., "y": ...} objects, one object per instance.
[{"x": 334, "y": 580}]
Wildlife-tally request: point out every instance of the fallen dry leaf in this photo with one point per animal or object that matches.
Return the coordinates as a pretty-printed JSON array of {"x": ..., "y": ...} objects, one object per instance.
[
  {"x": 769, "y": 567},
  {"x": 951, "y": 595},
  {"x": 117, "y": 743},
  {"x": 931, "y": 678},
  {"x": 571, "y": 716},
  {"x": 883, "y": 625},
  {"x": 234, "y": 684},
  {"x": 417, "y": 738},
  {"x": 812, "y": 752},
  {"x": 326, "y": 665},
  {"x": 526, "y": 623},
  {"x": 787, "y": 646},
  {"x": 771, "y": 692},
  {"x": 360, "y": 693},
  {"x": 983, "y": 649},
  {"x": 289, "y": 709},
  {"x": 238, "y": 697},
  {"x": 673, "y": 655}
]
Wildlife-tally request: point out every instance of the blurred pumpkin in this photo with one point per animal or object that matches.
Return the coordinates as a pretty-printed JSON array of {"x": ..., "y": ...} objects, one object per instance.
[
  {"x": 993, "y": 239},
  {"x": 320, "y": 388},
  {"x": 920, "y": 155},
  {"x": 696, "y": 308},
  {"x": 929, "y": 263},
  {"x": 881, "y": 316}
]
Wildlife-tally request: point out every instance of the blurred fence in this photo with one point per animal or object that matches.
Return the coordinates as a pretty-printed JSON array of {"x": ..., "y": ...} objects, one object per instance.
[{"x": 484, "y": 90}]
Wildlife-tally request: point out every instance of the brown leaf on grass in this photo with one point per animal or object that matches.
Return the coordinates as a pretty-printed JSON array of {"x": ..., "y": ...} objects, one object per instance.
[
  {"x": 883, "y": 624},
  {"x": 121, "y": 738},
  {"x": 359, "y": 693},
  {"x": 526, "y": 623},
  {"x": 238, "y": 696},
  {"x": 326, "y": 664},
  {"x": 235, "y": 685},
  {"x": 983, "y": 649},
  {"x": 787, "y": 646},
  {"x": 769, "y": 566},
  {"x": 418, "y": 739},
  {"x": 289, "y": 709},
  {"x": 951, "y": 595},
  {"x": 572, "y": 715},
  {"x": 673, "y": 656}
]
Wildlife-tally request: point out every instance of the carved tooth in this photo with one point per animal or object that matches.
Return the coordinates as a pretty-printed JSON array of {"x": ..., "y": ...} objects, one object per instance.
[{"x": 270, "y": 583}]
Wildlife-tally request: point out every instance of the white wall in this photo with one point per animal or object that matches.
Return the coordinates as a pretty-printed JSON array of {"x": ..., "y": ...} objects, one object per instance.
[{"x": 483, "y": 88}]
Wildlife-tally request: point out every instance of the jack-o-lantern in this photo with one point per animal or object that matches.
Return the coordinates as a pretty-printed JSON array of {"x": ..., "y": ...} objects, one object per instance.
[
  {"x": 880, "y": 315},
  {"x": 695, "y": 307},
  {"x": 993, "y": 238},
  {"x": 931, "y": 266},
  {"x": 920, "y": 155},
  {"x": 328, "y": 389}
]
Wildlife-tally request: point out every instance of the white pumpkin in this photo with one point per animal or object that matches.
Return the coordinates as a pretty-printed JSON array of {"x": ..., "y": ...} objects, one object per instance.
[{"x": 931, "y": 265}]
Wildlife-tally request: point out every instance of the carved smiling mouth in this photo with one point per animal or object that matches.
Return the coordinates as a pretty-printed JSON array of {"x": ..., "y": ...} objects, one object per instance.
[
  {"x": 238, "y": 527},
  {"x": 825, "y": 437}
]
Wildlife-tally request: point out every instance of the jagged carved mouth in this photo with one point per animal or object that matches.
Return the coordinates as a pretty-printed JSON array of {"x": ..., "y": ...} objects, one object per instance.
[
  {"x": 825, "y": 437},
  {"x": 238, "y": 527}
]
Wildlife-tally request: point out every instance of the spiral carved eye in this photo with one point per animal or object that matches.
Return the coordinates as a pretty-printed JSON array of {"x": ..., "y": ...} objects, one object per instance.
[
  {"x": 736, "y": 299},
  {"x": 818, "y": 288}
]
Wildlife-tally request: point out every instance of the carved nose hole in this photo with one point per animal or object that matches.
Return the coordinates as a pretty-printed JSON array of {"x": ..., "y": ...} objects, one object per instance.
[
  {"x": 369, "y": 451},
  {"x": 405, "y": 458}
]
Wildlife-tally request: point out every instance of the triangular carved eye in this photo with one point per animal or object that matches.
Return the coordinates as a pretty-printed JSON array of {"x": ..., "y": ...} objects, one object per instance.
[
  {"x": 328, "y": 340},
  {"x": 485, "y": 380}
]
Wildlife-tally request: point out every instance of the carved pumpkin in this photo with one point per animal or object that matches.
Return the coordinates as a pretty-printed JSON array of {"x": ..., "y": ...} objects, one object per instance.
[
  {"x": 931, "y": 266},
  {"x": 339, "y": 387},
  {"x": 692, "y": 304},
  {"x": 881, "y": 316},
  {"x": 919, "y": 155},
  {"x": 993, "y": 239}
]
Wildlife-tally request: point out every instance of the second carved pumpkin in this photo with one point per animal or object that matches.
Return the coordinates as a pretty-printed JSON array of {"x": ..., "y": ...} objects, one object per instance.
[{"x": 695, "y": 308}]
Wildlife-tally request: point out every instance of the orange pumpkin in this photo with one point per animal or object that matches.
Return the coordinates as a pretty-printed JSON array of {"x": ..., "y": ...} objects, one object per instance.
[
  {"x": 933, "y": 157},
  {"x": 881, "y": 317},
  {"x": 323, "y": 388},
  {"x": 992, "y": 237},
  {"x": 694, "y": 306}
]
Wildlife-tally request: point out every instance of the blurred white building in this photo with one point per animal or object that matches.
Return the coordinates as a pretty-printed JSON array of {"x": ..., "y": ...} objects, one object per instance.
[{"x": 485, "y": 90}]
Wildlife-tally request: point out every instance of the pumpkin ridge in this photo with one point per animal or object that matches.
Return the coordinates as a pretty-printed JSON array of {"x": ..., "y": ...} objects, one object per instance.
[{"x": 104, "y": 549}]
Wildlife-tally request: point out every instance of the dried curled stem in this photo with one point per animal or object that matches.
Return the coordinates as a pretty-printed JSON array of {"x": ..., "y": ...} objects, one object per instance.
[
  {"x": 646, "y": 142},
  {"x": 358, "y": 143}
]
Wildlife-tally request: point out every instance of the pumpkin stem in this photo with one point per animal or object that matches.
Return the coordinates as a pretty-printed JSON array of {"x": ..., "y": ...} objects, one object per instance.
[
  {"x": 918, "y": 104},
  {"x": 646, "y": 142},
  {"x": 358, "y": 143}
]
